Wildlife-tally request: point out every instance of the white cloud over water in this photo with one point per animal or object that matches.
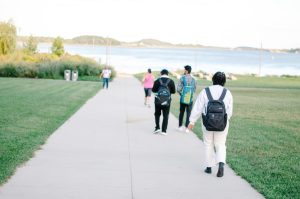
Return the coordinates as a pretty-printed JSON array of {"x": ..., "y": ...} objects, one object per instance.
[{"x": 228, "y": 23}]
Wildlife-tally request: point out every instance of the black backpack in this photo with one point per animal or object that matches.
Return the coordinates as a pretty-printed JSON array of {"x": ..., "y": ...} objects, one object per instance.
[
  {"x": 216, "y": 116},
  {"x": 163, "y": 96}
]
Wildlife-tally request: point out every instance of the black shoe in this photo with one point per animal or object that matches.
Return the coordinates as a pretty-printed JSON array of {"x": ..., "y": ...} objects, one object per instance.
[
  {"x": 220, "y": 170},
  {"x": 208, "y": 170},
  {"x": 157, "y": 130}
]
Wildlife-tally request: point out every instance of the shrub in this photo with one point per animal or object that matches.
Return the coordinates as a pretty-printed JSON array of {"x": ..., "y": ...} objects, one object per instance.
[
  {"x": 17, "y": 70},
  {"x": 48, "y": 66}
]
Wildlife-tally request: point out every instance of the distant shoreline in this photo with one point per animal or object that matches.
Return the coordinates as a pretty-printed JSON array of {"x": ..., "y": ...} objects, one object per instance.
[{"x": 91, "y": 40}]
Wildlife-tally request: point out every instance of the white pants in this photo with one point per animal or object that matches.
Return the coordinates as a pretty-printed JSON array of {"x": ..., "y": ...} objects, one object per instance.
[{"x": 214, "y": 146}]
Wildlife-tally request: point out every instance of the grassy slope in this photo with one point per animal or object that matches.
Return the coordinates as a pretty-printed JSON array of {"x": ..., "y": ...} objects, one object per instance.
[
  {"x": 264, "y": 142},
  {"x": 30, "y": 111}
]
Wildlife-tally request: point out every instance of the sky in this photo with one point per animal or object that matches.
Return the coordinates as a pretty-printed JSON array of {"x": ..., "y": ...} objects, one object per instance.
[{"x": 224, "y": 23}]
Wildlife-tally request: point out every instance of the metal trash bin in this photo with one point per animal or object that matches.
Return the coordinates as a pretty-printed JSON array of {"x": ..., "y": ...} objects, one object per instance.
[
  {"x": 74, "y": 75},
  {"x": 67, "y": 75}
]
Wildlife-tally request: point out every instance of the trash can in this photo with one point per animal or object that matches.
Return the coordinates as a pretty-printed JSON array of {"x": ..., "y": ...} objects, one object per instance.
[
  {"x": 67, "y": 75},
  {"x": 74, "y": 75}
]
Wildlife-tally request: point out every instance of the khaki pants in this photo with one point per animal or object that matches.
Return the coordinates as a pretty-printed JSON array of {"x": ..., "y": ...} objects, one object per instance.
[{"x": 214, "y": 146}]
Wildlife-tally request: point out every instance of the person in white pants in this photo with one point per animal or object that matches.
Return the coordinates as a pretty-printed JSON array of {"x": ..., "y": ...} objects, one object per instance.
[{"x": 214, "y": 141}]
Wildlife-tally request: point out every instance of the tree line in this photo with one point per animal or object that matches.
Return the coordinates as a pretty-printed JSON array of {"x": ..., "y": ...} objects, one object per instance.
[
  {"x": 8, "y": 41},
  {"x": 28, "y": 62}
]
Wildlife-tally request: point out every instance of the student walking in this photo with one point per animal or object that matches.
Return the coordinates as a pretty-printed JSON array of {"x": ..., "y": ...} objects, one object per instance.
[
  {"x": 163, "y": 87},
  {"x": 106, "y": 73},
  {"x": 215, "y": 104},
  {"x": 148, "y": 82},
  {"x": 186, "y": 89}
]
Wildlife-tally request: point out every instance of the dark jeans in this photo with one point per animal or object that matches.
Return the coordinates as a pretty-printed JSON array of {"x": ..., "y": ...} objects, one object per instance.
[
  {"x": 165, "y": 111},
  {"x": 105, "y": 82},
  {"x": 188, "y": 109}
]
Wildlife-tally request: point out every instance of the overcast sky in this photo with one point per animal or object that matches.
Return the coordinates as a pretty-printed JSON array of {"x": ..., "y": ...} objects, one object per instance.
[{"x": 228, "y": 23}]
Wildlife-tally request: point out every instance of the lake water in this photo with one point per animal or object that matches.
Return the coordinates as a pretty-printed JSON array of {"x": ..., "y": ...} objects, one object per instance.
[{"x": 133, "y": 60}]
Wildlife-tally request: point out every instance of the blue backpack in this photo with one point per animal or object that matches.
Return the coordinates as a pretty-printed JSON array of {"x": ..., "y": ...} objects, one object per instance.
[{"x": 187, "y": 91}]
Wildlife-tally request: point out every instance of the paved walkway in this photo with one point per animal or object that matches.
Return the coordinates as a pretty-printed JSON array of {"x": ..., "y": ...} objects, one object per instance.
[{"x": 107, "y": 151}]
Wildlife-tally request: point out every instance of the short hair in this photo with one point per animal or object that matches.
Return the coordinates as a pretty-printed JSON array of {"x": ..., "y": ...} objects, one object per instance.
[
  {"x": 164, "y": 72},
  {"x": 149, "y": 70},
  {"x": 219, "y": 78},
  {"x": 188, "y": 68}
]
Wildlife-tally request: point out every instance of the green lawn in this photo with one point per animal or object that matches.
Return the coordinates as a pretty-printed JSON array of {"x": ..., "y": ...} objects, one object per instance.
[
  {"x": 263, "y": 144},
  {"x": 30, "y": 111}
]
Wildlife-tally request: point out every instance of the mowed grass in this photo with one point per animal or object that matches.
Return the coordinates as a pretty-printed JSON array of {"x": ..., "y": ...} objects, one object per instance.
[
  {"x": 263, "y": 144},
  {"x": 30, "y": 111}
]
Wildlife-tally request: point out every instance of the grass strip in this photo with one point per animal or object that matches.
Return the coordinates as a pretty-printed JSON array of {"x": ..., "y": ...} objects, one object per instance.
[{"x": 30, "y": 111}]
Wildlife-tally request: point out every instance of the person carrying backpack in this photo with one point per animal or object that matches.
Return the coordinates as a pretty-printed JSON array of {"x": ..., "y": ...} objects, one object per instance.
[
  {"x": 186, "y": 89},
  {"x": 215, "y": 105},
  {"x": 163, "y": 87}
]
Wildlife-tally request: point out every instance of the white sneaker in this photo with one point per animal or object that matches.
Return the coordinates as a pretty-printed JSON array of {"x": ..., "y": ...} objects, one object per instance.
[
  {"x": 187, "y": 130},
  {"x": 181, "y": 128},
  {"x": 164, "y": 133}
]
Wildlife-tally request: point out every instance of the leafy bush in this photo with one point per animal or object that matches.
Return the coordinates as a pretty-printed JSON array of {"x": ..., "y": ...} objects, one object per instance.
[
  {"x": 17, "y": 70},
  {"x": 49, "y": 66}
]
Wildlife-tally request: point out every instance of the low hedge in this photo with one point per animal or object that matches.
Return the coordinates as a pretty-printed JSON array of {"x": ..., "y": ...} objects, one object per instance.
[{"x": 49, "y": 67}]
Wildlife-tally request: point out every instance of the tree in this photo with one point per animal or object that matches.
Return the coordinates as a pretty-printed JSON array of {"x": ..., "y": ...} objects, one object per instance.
[
  {"x": 58, "y": 47},
  {"x": 8, "y": 35},
  {"x": 31, "y": 45}
]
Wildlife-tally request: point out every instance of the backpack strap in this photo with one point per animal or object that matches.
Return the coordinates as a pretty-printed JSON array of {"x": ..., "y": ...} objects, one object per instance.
[
  {"x": 223, "y": 94},
  {"x": 184, "y": 80},
  {"x": 187, "y": 81},
  {"x": 160, "y": 81},
  {"x": 210, "y": 98},
  {"x": 164, "y": 84}
]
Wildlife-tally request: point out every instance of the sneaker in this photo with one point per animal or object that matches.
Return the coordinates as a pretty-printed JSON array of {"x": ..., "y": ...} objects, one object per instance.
[
  {"x": 208, "y": 170},
  {"x": 157, "y": 130},
  {"x": 164, "y": 133},
  {"x": 181, "y": 128},
  {"x": 187, "y": 130}
]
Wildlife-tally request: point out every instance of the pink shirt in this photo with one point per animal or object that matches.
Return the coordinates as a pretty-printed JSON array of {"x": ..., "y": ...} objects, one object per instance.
[{"x": 148, "y": 80}]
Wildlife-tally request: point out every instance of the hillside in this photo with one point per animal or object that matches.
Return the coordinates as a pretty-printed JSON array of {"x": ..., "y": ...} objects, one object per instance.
[{"x": 102, "y": 41}]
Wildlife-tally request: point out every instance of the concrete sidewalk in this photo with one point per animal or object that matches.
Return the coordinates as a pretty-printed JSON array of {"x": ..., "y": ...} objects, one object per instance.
[{"x": 107, "y": 151}]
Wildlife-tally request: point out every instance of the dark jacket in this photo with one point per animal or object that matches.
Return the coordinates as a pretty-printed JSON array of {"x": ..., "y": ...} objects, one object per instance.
[{"x": 171, "y": 85}]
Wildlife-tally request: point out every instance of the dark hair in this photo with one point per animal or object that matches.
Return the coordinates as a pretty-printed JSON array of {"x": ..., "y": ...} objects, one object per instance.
[
  {"x": 164, "y": 72},
  {"x": 149, "y": 70},
  {"x": 188, "y": 68},
  {"x": 219, "y": 78}
]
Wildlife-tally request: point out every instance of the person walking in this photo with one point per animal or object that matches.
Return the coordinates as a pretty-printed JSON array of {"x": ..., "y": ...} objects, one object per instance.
[
  {"x": 186, "y": 89},
  {"x": 215, "y": 104},
  {"x": 163, "y": 87},
  {"x": 148, "y": 82},
  {"x": 106, "y": 73}
]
